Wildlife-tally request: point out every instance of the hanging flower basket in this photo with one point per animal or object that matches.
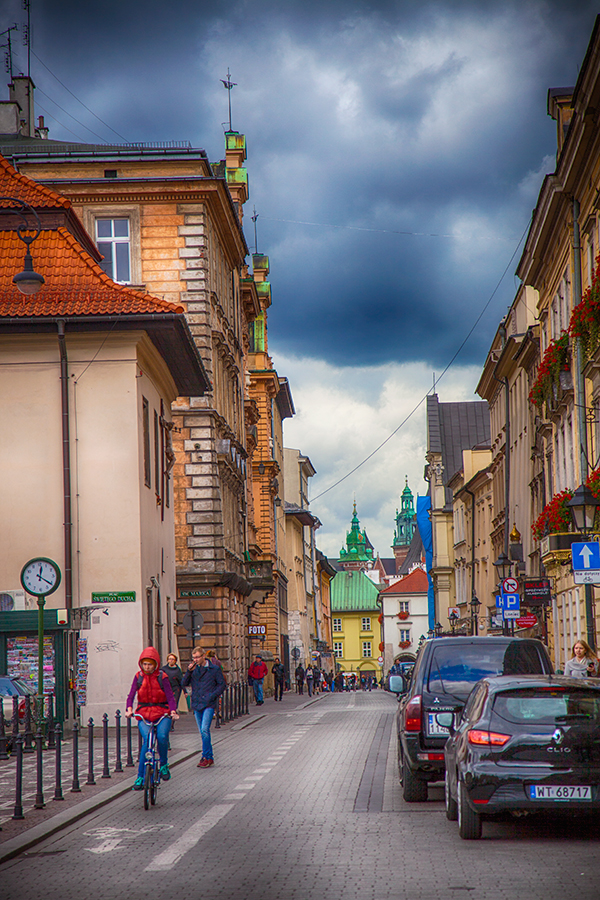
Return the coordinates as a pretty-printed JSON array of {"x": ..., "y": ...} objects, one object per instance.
[
  {"x": 403, "y": 615},
  {"x": 404, "y": 644},
  {"x": 381, "y": 646},
  {"x": 585, "y": 318},
  {"x": 380, "y": 618},
  {"x": 556, "y": 360},
  {"x": 555, "y": 517}
]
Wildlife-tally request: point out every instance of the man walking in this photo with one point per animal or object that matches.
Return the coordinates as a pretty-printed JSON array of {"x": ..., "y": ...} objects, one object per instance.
[
  {"x": 208, "y": 683},
  {"x": 278, "y": 670},
  {"x": 257, "y": 673},
  {"x": 309, "y": 680},
  {"x": 300, "y": 678}
]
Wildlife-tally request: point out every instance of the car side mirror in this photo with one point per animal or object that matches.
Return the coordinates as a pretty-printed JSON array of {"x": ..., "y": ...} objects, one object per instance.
[
  {"x": 397, "y": 684},
  {"x": 446, "y": 720}
]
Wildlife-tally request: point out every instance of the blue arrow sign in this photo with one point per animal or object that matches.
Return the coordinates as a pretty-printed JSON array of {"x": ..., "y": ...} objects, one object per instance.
[{"x": 585, "y": 556}]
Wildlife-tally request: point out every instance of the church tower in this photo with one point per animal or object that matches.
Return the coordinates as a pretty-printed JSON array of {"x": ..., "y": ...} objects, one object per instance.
[
  {"x": 406, "y": 522},
  {"x": 358, "y": 553}
]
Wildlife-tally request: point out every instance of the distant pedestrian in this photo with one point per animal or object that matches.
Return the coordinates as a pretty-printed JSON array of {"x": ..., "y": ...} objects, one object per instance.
[
  {"x": 309, "y": 680},
  {"x": 256, "y": 676},
  {"x": 173, "y": 672},
  {"x": 584, "y": 662},
  {"x": 208, "y": 684},
  {"x": 278, "y": 670},
  {"x": 213, "y": 659},
  {"x": 339, "y": 682},
  {"x": 300, "y": 675}
]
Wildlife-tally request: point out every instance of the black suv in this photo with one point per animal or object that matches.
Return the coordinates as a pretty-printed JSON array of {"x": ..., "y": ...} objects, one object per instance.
[{"x": 446, "y": 670}]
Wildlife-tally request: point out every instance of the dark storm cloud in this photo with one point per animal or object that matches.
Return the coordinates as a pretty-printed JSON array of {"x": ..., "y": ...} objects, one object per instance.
[{"x": 375, "y": 117}]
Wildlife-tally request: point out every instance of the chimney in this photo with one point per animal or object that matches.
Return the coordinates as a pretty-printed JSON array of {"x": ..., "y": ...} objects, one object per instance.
[
  {"x": 41, "y": 131},
  {"x": 21, "y": 93}
]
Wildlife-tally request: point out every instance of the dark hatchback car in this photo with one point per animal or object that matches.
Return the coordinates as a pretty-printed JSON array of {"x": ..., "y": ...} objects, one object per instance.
[
  {"x": 524, "y": 745},
  {"x": 445, "y": 672}
]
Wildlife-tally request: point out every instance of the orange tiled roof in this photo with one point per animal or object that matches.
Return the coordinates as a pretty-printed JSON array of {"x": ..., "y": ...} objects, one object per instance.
[
  {"x": 13, "y": 184},
  {"x": 75, "y": 283},
  {"x": 414, "y": 583}
]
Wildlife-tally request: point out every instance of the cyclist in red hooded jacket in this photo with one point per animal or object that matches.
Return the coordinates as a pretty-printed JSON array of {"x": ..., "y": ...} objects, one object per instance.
[{"x": 156, "y": 703}]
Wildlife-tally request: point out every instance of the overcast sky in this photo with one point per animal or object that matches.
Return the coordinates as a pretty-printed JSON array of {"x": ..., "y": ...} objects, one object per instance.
[{"x": 395, "y": 152}]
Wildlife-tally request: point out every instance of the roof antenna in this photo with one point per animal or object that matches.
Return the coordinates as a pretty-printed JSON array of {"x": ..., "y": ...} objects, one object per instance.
[
  {"x": 8, "y": 46},
  {"x": 228, "y": 84},
  {"x": 27, "y": 34},
  {"x": 254, "y": 218}
]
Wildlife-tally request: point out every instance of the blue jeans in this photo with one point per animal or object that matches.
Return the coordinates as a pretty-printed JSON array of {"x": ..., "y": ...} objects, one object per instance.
[
  {"x": 203, "y": 719},
  {"x": 257, "y": 684},
  {"x": 162, "y": 740}
]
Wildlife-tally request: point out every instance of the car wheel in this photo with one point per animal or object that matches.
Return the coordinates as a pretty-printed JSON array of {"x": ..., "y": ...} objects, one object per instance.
[
  {"x": 469, "y": 823},
  {"x": 413, "y": 789},
  {"x": 451, "y": 804}
]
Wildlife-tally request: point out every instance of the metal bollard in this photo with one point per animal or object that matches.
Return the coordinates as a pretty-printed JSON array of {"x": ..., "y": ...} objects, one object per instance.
[
  {"x": 218, "y": 713},
  {"x": 118, "y": 764},
  {"x": 39, "y": 789},
  {"x": 105, "y": 770},
  {"x": 3, "y": 753},
  {"x": 247, "y": 693},
  {"x": 58, "y": 794},
  {"x": 130, "y": 761},
  {"x": 18, "y": 812},
  {"x": 90, "y": 778},
  {"x": 51, "y": 723},
  {"x": 75, "y": 788},
  {"x": 15, "y": 716},
  {"x": 28, "y": 745}
]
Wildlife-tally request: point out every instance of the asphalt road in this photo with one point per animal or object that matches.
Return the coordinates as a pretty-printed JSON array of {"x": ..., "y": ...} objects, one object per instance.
[{"x": 304, "y": 804}]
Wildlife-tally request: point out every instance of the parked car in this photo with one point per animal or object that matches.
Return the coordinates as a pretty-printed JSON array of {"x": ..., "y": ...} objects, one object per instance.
[
  {"x": 12, "y": 686},
  {"x": 445, "y": 672},
  {"x": 523, "y": 745}
]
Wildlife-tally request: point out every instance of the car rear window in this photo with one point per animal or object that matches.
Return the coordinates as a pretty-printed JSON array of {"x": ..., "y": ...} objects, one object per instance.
[
  {"x": 548, "y": 707},
  {"x": 7, "y": 689},
  {"x": 456, "y": 668}
]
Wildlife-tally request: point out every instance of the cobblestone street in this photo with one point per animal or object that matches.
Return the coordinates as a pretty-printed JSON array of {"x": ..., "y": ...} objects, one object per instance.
[{"x": 304, "y": 802}]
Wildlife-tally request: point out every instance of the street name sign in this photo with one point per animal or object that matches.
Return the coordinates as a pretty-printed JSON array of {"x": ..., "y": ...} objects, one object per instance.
[
  {"x": 511, "y": 613},
  {"x": 585, "y": 558}
]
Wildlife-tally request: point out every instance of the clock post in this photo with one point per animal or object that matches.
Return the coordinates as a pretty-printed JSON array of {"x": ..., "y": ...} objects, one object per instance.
[{"x": 40, "y": 577}]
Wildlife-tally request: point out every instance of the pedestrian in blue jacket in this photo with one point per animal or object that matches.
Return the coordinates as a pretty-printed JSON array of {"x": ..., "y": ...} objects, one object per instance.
[{"x": 208, "y": 683}]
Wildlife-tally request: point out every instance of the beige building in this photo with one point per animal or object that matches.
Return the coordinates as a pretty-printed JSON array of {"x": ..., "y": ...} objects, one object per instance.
[{"x": 90, "y": 371}]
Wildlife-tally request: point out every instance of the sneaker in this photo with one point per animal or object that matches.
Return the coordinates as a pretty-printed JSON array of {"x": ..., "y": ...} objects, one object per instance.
[
  {"x": 138, "y": 784},
  {"x": 164, "y": 773},
  {"x": 201, "y": 763},
  {"x": 206, "y": 763}
]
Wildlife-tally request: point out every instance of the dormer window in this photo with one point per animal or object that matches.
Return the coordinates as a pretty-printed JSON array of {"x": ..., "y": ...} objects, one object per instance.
[{"x": 112, "y": 238}]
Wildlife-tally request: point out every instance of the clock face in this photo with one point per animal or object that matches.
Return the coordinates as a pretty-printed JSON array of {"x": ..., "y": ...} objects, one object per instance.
[{"x": 40, "y": 576}]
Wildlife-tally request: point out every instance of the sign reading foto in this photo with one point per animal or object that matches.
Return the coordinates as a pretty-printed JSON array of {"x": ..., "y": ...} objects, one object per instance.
[
  {"x": 257, "y": 630},
  {"x": 114, "y": 597}
]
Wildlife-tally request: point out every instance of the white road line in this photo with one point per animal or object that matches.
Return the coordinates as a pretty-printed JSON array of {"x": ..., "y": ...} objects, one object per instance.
[
  {"x": 261, "y": 771},
  {"x": 244, "y": 787},
  {"x": 234, "y": 796},
  {"x": 169, "y": 857},
  {"x": 254, "y": 777}
]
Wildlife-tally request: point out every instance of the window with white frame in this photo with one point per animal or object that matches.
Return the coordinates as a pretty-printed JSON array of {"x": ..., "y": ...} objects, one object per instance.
[
  {"x": 366, "y": 649},
  {"x": 405, "y": 634},
  {"x": 338, "y": 649},
  {"x": 366, "y": 623},
  {"x": 113, "y": 242},
  {"x": 403, "y": 606},
  {"x": 337, "y": 624}
]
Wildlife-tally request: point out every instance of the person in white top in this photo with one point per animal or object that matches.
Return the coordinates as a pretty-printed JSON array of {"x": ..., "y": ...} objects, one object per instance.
[{"x": 584, "y": 662}]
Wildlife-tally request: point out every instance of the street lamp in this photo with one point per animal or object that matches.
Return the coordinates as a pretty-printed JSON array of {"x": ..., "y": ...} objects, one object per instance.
[
  {"x": 438, "y": 629},
  {"x": 475, "y": 604},
  {"x": 503, "y": 566},
  {"x": 583, "y": 506},
  {"x": 28, "y": 281},
  {"x": 453, "y": 617}
]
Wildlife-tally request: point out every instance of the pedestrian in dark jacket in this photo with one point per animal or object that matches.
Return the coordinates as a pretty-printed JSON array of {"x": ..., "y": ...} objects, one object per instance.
[
  {"x": 173, "y": 672},
  {"x": 208, "y": 684},
  {"x": 309, "y": 680},
  {"x": 278, "y": 670},
  {"x": 300, "y": 678}
]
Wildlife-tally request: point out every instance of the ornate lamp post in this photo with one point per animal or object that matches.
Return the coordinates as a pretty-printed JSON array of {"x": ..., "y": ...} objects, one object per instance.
[
  {"x": 475, "y": 604},
  {"x": 583, "y": 511},
  {"x": 28, "y": 281},
  {"x": 453, "y": 617}
]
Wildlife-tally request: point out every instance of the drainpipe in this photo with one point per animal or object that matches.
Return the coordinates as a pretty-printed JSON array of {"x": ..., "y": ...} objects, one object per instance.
[
  {"x": 66, "y": 455},
  {"x": 580, "y": 406}
]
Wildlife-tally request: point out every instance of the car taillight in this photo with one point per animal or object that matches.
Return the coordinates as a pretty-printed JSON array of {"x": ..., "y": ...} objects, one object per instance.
[
  {"x": 412, "y": 721},
  {"x": 487, "y": 738}
]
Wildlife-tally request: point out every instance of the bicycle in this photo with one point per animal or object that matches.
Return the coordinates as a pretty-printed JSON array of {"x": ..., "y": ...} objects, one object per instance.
[{"x": 152, "y": 776}]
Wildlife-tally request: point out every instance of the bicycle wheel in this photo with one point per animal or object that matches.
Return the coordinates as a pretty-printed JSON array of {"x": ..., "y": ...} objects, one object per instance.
[
  {"x": 148, "y": 786},
  {"x": 154, "y": 785}
]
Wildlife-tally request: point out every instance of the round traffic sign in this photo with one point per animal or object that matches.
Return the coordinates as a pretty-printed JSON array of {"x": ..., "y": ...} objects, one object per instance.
[
  {"x": 380, "y": 660},
  {"x": 510, "y": 586}
]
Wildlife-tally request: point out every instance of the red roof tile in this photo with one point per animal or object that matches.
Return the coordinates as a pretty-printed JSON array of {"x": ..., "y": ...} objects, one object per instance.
[
  {"x": 75, "y": 283},
  {"x": 13, "y": 184},
  {"x": 414, "y": 583}
]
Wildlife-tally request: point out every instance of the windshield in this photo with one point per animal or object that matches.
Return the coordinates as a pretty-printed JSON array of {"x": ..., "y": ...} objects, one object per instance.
[
  {"x": 548, "y": 707},
  {"x": 456, "y": 668},
  {"x": 7, "y": 688}
]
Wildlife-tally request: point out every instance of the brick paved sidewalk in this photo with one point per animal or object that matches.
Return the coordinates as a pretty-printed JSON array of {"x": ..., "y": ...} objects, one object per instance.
[{"x": 185, "y": 742}]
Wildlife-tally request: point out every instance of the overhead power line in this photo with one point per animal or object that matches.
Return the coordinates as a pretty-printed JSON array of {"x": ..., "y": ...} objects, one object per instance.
[
  {"x": 424, "y": 397},
  {"x": 387, "y": 230}
]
